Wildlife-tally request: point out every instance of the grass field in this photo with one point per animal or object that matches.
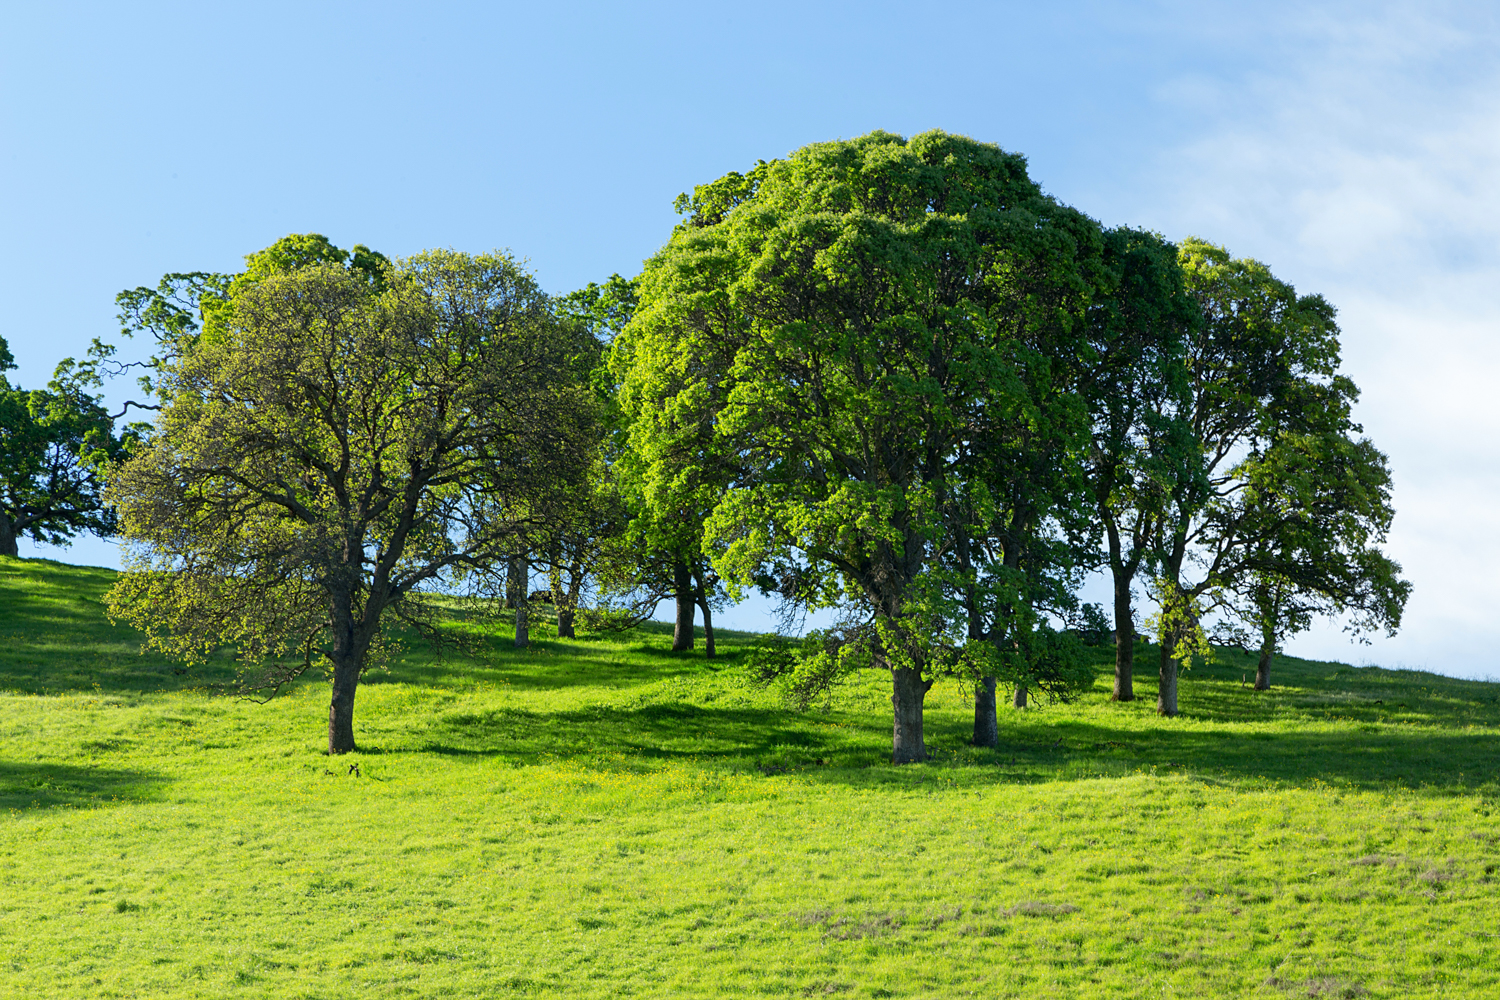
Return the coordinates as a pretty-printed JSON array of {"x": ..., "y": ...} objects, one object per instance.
[{"x": 606, "y": 819}]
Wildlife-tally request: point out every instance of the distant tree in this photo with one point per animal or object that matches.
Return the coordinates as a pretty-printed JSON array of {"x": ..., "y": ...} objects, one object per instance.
[
  {"x": 1141, "y": 446},
  {"x": 1282, "y": 478},
  {"x": 821, "y": 325},
  {"x": 578, "y": 546},
  {"x": 340, "y": 436},
  {"x": 54, "y": 444},
  {"x": 666, "y": 472},
  {"x": 1317, "y": 507}
]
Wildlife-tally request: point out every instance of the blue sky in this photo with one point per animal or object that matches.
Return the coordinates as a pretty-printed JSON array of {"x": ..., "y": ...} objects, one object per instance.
[{"x": 1353, "y": 147}]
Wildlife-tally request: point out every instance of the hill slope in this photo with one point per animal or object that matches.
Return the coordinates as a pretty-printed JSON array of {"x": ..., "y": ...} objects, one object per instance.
[{"x": 602, "y": 818}]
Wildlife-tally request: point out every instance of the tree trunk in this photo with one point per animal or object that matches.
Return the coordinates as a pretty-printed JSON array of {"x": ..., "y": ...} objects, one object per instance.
[
  {"x": 341, "y": 708},
  {"x": 907, "y": 693},
  {"x": 700, "y": 594},
  {"x": 1124, "y": 642},
  {"x": 986, "y": 725},
  {"x": 1020, "y": 699},
  {"x": 515, "y": 583},
  {"x": 1166, "y": 691},
  {"x": 523, "y": 623},
  {"x": 8, "y": 541},
  {"x": 682, "y": 631},
  {"x": 1263, "y": 669},
  {"x": 568, "y": 608},
  {"x": 559, "y": 600}
]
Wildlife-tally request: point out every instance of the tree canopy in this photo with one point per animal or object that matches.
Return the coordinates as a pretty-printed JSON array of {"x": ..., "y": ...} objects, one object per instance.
[
  {"x": 54, "y": 444},
  {"x": 1283, "y": 488},
  {"x": 831, "y": 326},
  {"x": 342, "y": 435}
]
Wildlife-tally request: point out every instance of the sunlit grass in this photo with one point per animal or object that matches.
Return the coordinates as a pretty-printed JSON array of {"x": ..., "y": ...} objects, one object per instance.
[{"x": 602, "y": 818}]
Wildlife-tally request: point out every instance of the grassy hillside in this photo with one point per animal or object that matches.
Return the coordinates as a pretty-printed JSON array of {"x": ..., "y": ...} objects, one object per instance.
[{"x": 604, "y": 818}]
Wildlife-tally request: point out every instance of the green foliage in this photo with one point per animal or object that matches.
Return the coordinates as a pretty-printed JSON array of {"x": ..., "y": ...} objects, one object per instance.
[
  {"x": 1178, "y": 623},
  {"x": 54, "y": 444},
  {"x": 1317, "y": 505},
  {"x": 833, "y": 328},
  {"x": 344, "y": 436},
  {"x": 603, "y": 310},
  {"x": 808, "y": 669},
  {"x": 1093, "y": 625},
  {"x": 1285, "y": 490},
  {"x": 599, "y": 818},
  {"x": 1141, "y": 448}
]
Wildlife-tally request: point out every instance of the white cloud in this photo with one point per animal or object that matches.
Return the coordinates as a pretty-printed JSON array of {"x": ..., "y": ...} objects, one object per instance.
[{"x": 1367, "y": 167}]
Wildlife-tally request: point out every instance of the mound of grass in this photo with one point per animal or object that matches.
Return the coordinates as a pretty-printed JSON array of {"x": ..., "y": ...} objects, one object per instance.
[{"x": 603, "y": 818}]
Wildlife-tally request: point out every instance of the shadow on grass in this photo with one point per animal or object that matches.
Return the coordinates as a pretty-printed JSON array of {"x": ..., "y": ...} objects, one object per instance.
[
  {"x": 854, "y": 750},
  {"x": 552, "y": 664},
  {"x": 47, "y": 786},
  {"x": 1311, "y": 690},
  {"x": 1384, "y": 757},
  {"x": 55, "y": 637}
]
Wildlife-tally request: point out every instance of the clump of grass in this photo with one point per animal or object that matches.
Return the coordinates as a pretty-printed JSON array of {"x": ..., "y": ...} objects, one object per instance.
[{"x": 1032, "y": 908}]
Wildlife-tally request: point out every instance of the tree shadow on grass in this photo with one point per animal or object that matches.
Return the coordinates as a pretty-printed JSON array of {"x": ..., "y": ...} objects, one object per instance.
[
  {"x": 855, "y": 752},
  {"x": 660, "y": 731},
  {"x": 551, "y": 664},
  {"x": 48, "y": 786},
  {"x": 1313, "y": 690},
  {"x": 1372, "y": 759},
  {"x": 55, "y": 636}
]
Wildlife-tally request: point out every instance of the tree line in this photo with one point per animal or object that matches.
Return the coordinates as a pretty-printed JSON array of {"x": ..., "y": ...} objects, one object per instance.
[{"x": 887, "y": 376}]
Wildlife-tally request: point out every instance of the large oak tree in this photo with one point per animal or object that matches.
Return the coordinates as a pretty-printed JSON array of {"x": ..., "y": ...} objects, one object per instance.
[
  {"x": 341, "y": 436},
  {"x": 1141, "y": 445},
  {"x": 828, "y": 326}
]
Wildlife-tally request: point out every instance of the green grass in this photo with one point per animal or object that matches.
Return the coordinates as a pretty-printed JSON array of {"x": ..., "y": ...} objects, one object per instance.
[{"x": 605, "y": 819}]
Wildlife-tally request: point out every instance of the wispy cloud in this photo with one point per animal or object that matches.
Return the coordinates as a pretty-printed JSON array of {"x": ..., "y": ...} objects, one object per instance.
[{"x": 1361, "y": 159}]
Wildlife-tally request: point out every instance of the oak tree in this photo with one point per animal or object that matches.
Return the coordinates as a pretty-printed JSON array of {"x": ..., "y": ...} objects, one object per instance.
[
  {"x": 1284, "y": 487},
  {"x": 54, "y": 445},
  {"x": 340, "y": 437},
  {"x": 1141, "y": 445},
  {"x": 1316, "y": 509},
  {"x": 821, "y": 325}
]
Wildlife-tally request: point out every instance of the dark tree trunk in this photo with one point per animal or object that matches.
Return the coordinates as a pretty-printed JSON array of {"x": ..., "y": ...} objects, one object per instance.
[
  {"x": 1124, "y": 642},
  {"x": 1020, "y": 699},
  {"x": 986, "y": 725},
  {"x": 523, "y": 623},
  {"x": 908, "y": 690},
  {"x": 567, "y": 604},
  {"x": 1263, "y": 669},
  {"x": 700, "y": 594},
  {"x": 682, "y": 631},
  {"x": 1166, "y": 684},
  {"x": 515, "y": 585},
  {"x": 341, "y": 708},
  {"x": 8, "y": 541},
  {"x": 559, "y": 599},
  {"x": 1166, "y": 691}
]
